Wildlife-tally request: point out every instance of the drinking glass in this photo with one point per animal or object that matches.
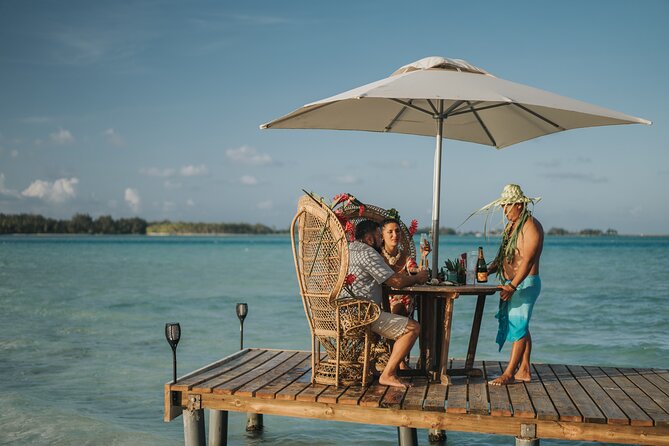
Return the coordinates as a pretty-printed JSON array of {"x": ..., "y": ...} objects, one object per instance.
[{"x": 472, "y": 259}]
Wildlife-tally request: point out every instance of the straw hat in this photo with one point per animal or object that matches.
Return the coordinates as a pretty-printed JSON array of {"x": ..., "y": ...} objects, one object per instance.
[{"x": 511, "y": 194}]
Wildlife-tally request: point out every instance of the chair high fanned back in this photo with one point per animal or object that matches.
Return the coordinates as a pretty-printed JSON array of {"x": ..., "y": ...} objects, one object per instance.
[{"x": 320, "y": 251}]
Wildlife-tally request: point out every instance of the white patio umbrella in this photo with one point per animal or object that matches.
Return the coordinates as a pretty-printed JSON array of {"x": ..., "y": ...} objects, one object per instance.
[{"x": 450, "y": 98}]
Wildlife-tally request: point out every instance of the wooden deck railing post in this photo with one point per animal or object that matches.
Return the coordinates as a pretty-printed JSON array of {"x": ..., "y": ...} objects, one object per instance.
[
  {"x": 407, "y": 436},
  {"x": 218, "y": 427},
  {"x": 194, "y": 427}
]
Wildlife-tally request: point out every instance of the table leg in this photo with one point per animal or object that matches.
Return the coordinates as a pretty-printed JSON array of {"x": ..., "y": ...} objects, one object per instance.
[
  {"x": 474, "y": 336},
  {"x": 443, "y": 358}
]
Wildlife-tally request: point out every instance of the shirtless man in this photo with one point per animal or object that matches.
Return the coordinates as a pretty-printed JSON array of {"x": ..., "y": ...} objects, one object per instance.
[
  {"x": 519, "y": 256},
  {"x": 371, "y": 270}
]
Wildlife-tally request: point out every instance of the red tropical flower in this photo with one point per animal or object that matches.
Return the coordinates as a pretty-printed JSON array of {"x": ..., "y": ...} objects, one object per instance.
[
  {"x": 413, "y": 227},
  {"x": 349, "y": 279},
  {"x": 361, "y": 210},
  {"x": 350, "y": 230}
]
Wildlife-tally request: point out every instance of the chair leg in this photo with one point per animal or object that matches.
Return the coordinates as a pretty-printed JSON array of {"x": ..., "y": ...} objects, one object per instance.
[{"x": 365, "y": 362}]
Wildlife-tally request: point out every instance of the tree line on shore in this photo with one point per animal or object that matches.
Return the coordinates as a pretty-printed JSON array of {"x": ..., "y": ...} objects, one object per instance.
[{"x": 105, "y": 224}]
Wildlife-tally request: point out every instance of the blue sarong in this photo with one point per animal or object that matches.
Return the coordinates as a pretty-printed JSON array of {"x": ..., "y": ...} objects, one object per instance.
[{"x": 514, "y": 314}]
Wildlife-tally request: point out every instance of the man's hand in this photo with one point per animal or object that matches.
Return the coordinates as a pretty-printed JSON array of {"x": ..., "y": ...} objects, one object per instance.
[
  {"x": 506, "y": 292},
  {"x": 423, "y": 276}
]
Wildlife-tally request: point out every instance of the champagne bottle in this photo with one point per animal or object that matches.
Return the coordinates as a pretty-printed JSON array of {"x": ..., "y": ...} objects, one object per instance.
[{"x": 481, "y": 268}]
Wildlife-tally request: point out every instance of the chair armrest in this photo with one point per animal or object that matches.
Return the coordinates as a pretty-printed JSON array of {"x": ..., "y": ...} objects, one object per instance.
[{"x": 356, "y": 314}]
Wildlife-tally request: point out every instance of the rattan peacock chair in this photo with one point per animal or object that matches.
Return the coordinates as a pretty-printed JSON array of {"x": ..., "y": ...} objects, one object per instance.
[
  {"x": 380, "y": 347},
  {"x": 339, "y": 325}
]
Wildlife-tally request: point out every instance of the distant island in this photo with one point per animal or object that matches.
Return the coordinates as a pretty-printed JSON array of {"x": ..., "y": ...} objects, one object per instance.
[{"x": 105, "y": 224}]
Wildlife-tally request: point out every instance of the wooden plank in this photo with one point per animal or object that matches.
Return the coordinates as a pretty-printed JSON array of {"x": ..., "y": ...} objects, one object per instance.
[
  {"x": 208, "y": 385},
  {"x": 566, "y": 409},
  {"x": 583, "y": 402},
  {"x": 352, "y": 395},
  {"x": 311, "y": 392},
  {"x": 416, "y": 394},
  {"x": 543, "y": 406},
  {"x": 331, "y": 394},
  {"x": 373, "y": 395},
  {"x": 270, "y": 390},
  {"x": 659, "y": 416},
  {"x": 435, "y": 397},
  {"x": 217, "y": 369},
  {"x": 457, "y": 391},
  {"x": 634, "y": 413},
  {"x": 478, "y": 393},
  {"x": 500, "y": 404},
  {"x": 613, "y": 413},
  {"x": 663, "y": 373},
  {"x": 293, "y": 389},
  {"x": 520, "y": 399},
  {"x": 393, "y": 398},
  {"x": 441, "y": 420},
  {"x": 251, "y": 387},
  {"x": 654, "y": 377},
  {"x": 229, "y": 387},
  {"x": 650, "y": 390}
]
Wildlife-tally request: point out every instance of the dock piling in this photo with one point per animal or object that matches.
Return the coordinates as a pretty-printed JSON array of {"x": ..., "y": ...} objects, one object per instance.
[
  {"x": 528, "y": 435},
  {"x": 407, "y": 436},
  {"x": 436, "y": 436},
  {"x": 194, "y": 427},
  {"x": 218, "y": 427},
  {"x": 254, "y": 422}
]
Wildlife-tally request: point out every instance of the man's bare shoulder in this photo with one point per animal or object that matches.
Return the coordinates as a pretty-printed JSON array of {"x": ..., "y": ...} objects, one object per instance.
[{"x": 533, "y": 226}]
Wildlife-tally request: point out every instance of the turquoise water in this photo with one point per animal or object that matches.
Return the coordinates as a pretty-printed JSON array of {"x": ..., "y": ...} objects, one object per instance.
[{"x": 83, "y": 357}]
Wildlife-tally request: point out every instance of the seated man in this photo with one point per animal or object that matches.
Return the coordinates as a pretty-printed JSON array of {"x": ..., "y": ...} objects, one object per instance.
[{"x": 371, "y": 271}]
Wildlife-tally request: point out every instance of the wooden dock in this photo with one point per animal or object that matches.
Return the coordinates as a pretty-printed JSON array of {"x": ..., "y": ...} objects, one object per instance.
[{"x": 570, "y": 402}]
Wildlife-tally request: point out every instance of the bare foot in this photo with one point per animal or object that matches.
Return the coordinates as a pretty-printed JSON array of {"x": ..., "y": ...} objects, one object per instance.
[
  {"x": 392, "y": 381},
  {"x": 502, "y": 380},
  {"x": 523, "y": 376},
  {"x": 405, "y": 366}
]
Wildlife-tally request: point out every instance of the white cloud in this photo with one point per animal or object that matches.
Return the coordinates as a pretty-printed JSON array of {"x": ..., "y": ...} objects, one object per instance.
[
  {"x": 62, "y": 137},
  {"x": 265, "y": 205},
  {"x": 14, "y": 153},
  {"x": 169, "y": 184},
  {"x": 193, "y": 171},
  {"x": 113, "y": 137},
  {"x": 132, "y": 199},
  {"x": 190, "y": 202},
  {"x": 248, "y": 155},
  {"x": 185, "y": 171},
  {"x": 248, "y": 180},
  {"x": 4, "y": 190},
  {"x": 59, "y": 191},
  {"x": 347, "y": 179},
  {"x": 156, "y": 172}
]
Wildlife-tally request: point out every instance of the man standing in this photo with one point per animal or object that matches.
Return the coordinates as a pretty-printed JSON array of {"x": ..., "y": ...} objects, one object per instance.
[
  {"x": 371, "y": 271},
  {"x": 518, "y": 256}
]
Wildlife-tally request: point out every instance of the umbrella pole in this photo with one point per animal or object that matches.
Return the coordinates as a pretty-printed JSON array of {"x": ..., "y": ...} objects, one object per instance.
[{"x": 436, "y": 188}]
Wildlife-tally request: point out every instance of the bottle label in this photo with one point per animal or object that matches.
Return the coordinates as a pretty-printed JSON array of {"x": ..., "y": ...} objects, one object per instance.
[{"x": 482, "y": 276}]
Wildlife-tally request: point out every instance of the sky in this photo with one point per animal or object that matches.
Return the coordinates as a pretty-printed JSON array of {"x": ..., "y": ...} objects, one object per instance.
[{"x": 152, "y": 108}]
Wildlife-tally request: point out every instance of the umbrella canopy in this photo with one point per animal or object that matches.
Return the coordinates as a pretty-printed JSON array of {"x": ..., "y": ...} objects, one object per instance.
[{"x": 450, "y": 98}]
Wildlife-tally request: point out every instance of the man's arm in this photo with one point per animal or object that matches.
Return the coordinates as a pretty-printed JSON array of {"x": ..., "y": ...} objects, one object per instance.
[{"x": 400, "y": 280}]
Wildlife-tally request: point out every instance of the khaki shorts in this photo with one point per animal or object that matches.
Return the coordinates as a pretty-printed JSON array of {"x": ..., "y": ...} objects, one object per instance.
[{"x": 390, "y": 326}]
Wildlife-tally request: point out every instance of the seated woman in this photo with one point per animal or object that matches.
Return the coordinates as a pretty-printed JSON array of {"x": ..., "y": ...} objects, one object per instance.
[{"x": 398, "y": 261}]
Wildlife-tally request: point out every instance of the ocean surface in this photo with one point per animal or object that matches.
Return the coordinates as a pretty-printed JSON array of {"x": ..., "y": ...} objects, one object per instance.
[{"x": 83, "y": 357}]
